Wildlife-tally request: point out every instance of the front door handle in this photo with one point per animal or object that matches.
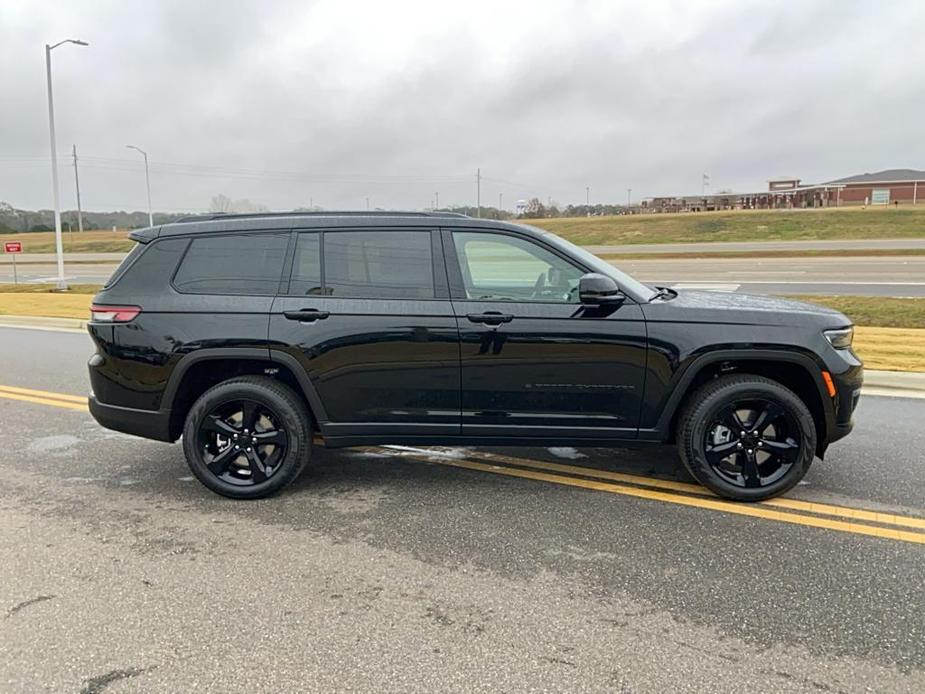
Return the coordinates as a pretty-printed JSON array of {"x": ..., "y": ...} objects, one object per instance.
[
  {"x": 306, "y": 315},
  {"x": 490, "y": 318}
]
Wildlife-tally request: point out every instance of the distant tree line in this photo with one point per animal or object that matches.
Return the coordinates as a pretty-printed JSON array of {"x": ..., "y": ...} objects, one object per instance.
[
  {"x": 535, "y": 209},
  {"x": 16, "y": 220}
]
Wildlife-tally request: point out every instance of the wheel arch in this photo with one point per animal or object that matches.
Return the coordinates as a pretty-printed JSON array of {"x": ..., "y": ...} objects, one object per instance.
[
  {"x": 796, "y": 371},
  {"x": 198, "y": 371}
]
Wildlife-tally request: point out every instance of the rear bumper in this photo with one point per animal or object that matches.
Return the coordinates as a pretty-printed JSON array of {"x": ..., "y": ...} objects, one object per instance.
[{"x": 149, "y": 424}]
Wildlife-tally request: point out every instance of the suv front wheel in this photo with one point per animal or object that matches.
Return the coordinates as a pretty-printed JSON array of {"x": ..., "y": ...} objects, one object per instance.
[
  {"x": 247, "y": 437},
  {"x": 746, "y": 437}
]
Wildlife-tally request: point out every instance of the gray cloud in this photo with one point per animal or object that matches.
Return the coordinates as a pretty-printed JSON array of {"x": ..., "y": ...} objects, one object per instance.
[{"x": 283, "y": 102}]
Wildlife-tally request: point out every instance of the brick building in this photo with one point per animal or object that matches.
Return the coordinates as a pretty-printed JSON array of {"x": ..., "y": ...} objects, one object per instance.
[
  {"x": 893, "y": 186},
  {"x": 903, "y": 186}
]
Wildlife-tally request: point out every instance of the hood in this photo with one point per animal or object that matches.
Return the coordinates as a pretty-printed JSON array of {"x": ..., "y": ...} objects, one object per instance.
[{"x": 729, "y": 307}]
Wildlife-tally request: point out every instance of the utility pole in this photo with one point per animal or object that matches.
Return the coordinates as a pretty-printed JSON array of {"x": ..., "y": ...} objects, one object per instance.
[
  {"x": 80, "y": 217},
  {"x": 704, "y": 182},
  {"x": 436, "y": 201},
  {"x": 367, "y": 203},
  {"x": 478, "y": 192},
  {"x": 500, "y": 203},
  {"x": 587, "y": 196},
  {"x": 629, "y": 196}
]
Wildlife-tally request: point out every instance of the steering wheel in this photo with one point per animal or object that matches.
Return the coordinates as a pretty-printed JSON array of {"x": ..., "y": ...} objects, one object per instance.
[{"x": 545, "y": 287}]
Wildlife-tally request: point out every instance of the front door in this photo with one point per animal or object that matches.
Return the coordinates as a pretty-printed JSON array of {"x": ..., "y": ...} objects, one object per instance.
[
  {"x": 535, "y": 362},
  {"x": 367, "y": 315}
]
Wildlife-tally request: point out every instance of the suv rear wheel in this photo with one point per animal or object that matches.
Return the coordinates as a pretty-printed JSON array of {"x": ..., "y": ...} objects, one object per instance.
[
  {"x": 746, "y": 437},
  {"x": 247, "y": 437}
]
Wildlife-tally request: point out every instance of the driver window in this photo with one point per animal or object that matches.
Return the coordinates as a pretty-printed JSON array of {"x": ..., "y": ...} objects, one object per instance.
[{"x": 498, "y": 267}]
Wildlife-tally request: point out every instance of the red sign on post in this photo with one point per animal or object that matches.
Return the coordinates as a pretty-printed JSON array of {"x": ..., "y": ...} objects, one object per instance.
[{"x": 12, "y": 247}]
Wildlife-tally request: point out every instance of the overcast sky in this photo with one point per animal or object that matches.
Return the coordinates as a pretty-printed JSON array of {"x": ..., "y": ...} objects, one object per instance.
[{"x": 292, "y": 102}]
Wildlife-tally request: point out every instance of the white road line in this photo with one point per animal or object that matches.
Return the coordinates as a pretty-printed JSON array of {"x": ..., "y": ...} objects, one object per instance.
[{"x": 706, "y": 286}]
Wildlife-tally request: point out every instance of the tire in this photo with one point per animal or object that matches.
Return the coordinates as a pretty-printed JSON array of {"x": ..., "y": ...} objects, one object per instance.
[
  {"x": 758, "y": 465},
  {"x": 248, "y": 437}
]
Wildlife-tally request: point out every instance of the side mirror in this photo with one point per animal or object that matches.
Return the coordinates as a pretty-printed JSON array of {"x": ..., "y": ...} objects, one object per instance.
[{"x": 595, "y": 289}]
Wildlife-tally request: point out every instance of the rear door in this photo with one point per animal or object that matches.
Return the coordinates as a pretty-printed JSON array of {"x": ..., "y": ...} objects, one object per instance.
[
  {"x": 535, "y": 362},
  {"x": 366, "y": 313}
]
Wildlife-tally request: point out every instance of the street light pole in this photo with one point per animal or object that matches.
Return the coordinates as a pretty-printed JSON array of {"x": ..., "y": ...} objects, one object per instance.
[
  {"x": 147, "y": 182},
  {"x": 59, "y": 243}
]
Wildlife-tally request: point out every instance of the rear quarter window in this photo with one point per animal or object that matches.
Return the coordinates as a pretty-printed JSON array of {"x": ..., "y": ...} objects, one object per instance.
[
  {"x": 148, "y": 267},
  {"x": 125, "y": 265}
]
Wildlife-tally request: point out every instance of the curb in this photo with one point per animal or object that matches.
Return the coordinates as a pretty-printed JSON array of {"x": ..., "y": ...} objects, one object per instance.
[
  {"x": 42, "y": 323},
  {"x": 896, "y": 383}
]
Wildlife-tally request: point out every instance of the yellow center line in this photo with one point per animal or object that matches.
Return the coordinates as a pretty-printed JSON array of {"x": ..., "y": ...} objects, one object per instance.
[
  {"x": 48, "y": 395},
  {"x": 683, "y": 487},
  {"x": 66, "y": 404},
  {"x": 790, "y": 504},
  {"x": 751, "y": 510}
]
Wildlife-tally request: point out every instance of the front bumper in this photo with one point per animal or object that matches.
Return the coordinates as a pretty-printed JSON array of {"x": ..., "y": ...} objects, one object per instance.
[{"x": 847, "y": 394}]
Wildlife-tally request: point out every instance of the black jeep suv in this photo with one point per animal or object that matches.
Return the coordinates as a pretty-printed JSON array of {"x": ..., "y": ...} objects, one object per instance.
[{"x": 253, "y": 336}]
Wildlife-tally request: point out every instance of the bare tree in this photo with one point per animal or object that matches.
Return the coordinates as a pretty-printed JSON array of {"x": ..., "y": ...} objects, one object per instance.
[{"x": 220, "y": 203}]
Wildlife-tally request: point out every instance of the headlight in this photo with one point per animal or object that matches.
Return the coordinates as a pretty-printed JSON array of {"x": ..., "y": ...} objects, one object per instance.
[{"x": 841, "y": 338}]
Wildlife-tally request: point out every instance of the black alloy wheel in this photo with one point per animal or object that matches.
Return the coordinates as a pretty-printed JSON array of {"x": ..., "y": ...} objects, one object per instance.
[
  {"x": 248, "y": 437},
  {"x": 752, "y": 443},
  {"x": 746, "y": 437},
  {"x": 243, "y": 442}
]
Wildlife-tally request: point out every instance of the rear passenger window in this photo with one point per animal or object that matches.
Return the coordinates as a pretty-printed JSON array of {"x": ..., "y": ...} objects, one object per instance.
[
  {"x": 378, "y": 264},
  {"x": 232, "y": 265},
  {"x": 306, "y": 268}
]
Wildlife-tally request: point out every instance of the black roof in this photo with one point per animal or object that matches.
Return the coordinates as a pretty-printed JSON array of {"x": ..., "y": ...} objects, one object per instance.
[
  {"x": 279, "y": 221},
  {"x": 309, "y": 213}
]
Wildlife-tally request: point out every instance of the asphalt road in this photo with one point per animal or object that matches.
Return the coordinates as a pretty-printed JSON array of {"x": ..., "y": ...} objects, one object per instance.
[
  {"x": 872, "y": 276},
  {"x": 384, "y": 569}
]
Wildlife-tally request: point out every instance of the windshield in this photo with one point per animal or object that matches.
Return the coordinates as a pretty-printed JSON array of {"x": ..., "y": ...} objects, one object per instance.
[{"x": 628, "y": 284}]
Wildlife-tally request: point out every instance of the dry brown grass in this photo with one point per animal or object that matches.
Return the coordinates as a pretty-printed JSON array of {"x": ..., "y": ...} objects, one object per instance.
[
  {"x": 892, "y": 349},
  {"x": 49, "y": 305},
  {"x": 74, "y": 242}
]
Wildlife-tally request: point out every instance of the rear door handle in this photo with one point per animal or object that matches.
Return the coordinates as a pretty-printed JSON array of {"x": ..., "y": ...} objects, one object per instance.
[
  {"x": 306, "y": 315},
  {"x": 490, "y": 318}
]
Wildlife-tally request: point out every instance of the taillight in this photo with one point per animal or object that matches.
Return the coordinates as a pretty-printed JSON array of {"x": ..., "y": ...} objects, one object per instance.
[{"x": 113, "y": 314}]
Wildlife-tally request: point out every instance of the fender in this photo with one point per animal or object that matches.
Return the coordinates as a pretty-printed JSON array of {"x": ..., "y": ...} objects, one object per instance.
[
  {"x": 253, "y": 353},
  {"x": 683, "y": 377}
]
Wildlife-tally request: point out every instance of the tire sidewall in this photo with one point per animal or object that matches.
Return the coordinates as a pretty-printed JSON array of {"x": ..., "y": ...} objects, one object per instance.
[
  {"x": 702, "y": 416},
  {"x": 291, "y": 418}
]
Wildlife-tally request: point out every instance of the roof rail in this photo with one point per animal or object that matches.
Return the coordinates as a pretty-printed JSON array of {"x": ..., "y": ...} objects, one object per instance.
[{"x": 212, "y": 216}]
